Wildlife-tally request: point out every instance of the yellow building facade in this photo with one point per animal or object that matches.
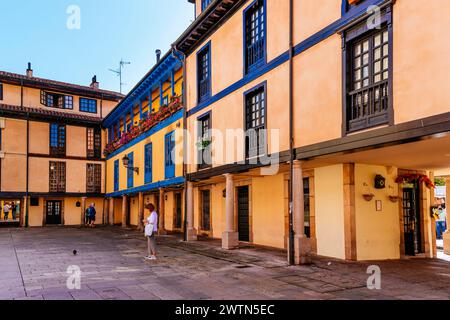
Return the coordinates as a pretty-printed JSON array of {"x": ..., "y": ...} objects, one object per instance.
[
  {"x": 51, "y": 148},
  {"x": 335, "y": 97},
  {"x": 146, "y": 128}
]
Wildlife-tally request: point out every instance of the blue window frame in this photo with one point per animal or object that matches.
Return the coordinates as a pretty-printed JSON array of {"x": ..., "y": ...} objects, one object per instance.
[
  {"x": 88, "y": 105},
  {"x": 205, "y": 4},
  {"x": 1, "y": 91},
  {"x": 255, "y": 121},
  {"x": 130, "y": 173},
  {"x": 204, "y": 73},
  {"x": 255, "y": 35},
  {"x": 148, "y": 163},
  {"x": 116, "y": 175},
  {"x": 169, "y": 155}
]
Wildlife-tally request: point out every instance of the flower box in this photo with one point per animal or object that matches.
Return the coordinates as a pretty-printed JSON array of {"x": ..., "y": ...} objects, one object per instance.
[{"x": 145, "y": 125}]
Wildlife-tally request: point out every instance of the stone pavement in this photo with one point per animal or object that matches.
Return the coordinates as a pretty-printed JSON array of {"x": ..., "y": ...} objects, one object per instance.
[{"x": 34, "y": 265}]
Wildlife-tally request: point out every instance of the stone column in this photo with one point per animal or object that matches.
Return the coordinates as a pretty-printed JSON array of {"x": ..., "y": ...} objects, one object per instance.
[
  {"x": 141, "y": 211},
  {"x": 162, "y": 212},
  {"x": 447, "y": 208},
  {"x": 124, "y": 211},
  {"x": 191, "y": 232},
  {"x": 83, "y": 211},
  {"x": 230, "y": 238},
  {"x": 302, "y": 247},
  {"x": 23, "y": 210},
  {"x": 111, "y": 211}
]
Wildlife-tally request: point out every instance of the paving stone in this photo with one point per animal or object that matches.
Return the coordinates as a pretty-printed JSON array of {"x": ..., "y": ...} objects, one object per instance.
[{"x": 112, "y": 265}]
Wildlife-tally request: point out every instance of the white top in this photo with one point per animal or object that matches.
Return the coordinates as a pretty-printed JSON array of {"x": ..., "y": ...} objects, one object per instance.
[
  {"x": 153, "y": 219},
  {"x": 6, "y": 208}
]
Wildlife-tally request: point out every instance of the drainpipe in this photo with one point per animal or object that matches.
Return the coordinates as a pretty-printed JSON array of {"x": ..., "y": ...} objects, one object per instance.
[
  {"x": 183, "y": 62},
  {"x": 291, "y": 257}
]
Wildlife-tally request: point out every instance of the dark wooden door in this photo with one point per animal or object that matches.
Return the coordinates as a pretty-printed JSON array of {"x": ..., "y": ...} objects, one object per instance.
[
  {"x": 178, "y": 211},
  {"x": 206, "y": 210},
  {"x": 411, "y": 220},
  {"x": 243, "y": 214},
  {"x": 53, "y": 213}
]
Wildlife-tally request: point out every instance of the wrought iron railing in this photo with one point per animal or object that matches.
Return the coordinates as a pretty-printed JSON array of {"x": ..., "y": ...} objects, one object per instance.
[{"x": 255, "y": 54}]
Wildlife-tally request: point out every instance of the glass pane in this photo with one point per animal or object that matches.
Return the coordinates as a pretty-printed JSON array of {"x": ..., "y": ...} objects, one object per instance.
[
  {"x": 366, "y": 59},
  {"x": 365, "y": 82},
  {"x": 358, "y": 85},
  {"x": 358, "y": 50},
  {"x": 385, "y": 36},
  {"x": 385, "y": 50},
  {"x": 357, "y": 75},
  {"x": 357, "y": 63},
  {"x": 385, "y": 75},
  {"x": 377, "y": 54},
  {"x": 385, "y": 63},
  {"x": 377, "y": 78},
  {"x": 377, "y": 40},
  {"x": 365, "y": 72},
  {"x": 366, "y": 46},
  {"x": 377, "y": 67}
]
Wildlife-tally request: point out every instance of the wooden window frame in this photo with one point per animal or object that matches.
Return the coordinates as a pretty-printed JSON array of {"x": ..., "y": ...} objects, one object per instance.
[
  {"x": 201, "y": 134},
  {"x": 93, "y": 178},
  {"x": 262, "y": 147},
  {"x": 204, "y": 78},
  {"x": 59, "y": 101},
  {"x": 371, "y": 117},
  {"x": 58, "y": 151},
  {"x": 93, "y": 143},
  {"x": 261, "y": 57},
  {"x": 59, "y": 174}
]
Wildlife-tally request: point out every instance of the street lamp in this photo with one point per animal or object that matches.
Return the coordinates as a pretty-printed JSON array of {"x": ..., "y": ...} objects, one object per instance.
[{"x": 126, "y": 162}]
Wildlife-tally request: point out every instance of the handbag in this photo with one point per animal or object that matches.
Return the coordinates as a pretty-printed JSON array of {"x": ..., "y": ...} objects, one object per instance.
[{"x": 149, "y": 230}]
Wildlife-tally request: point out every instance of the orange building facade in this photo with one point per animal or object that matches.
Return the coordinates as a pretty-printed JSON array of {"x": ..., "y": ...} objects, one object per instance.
[{"x": 337, "y": 98}]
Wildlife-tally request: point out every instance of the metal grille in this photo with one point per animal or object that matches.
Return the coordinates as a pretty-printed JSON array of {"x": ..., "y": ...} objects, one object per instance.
[
  {"x": 57, "y": 176},
  {"x": 93, "y": 178}
]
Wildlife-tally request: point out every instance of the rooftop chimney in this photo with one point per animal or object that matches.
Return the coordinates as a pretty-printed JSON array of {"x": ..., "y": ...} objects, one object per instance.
[
  {"x": 95, "y": 84},
  {"x": 29, "y": 71},
  {"x": 158, "y": 55}
]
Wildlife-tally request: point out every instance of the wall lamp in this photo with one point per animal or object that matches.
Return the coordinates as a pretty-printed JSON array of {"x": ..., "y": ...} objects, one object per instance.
[{"x": 126, "y": 162}]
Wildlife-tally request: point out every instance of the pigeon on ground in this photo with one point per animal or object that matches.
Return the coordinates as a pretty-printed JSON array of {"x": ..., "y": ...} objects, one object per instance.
[{"x": 75, "y": 252}]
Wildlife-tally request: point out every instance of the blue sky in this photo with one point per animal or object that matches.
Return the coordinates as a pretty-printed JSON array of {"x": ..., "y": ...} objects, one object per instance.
[{"x": 36, "y": 32}]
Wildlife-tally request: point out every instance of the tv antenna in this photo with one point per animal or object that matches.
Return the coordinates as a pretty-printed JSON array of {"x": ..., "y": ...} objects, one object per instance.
[{"x": 118, "y": 71}]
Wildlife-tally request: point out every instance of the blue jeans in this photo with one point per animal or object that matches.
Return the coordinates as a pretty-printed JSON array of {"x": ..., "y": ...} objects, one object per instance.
[{"x": 440, "y": 229}]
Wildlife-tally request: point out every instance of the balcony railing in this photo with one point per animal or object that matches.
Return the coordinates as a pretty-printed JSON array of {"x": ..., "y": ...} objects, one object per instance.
[
  {"x": 368, "y": 107},
  {"x": 255, "y": 54}
]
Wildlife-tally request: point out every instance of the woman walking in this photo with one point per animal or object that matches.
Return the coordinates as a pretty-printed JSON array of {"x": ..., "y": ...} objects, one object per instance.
[{"x": 151, "y": 228}]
